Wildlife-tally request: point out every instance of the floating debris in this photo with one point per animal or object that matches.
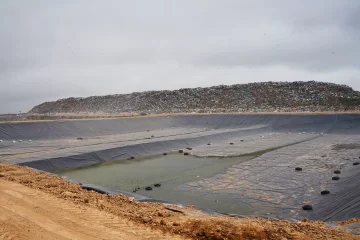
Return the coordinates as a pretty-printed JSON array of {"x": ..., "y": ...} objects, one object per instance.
[
  {"x": 307, "y": 207},
  {"x": 325, "y": 192}
]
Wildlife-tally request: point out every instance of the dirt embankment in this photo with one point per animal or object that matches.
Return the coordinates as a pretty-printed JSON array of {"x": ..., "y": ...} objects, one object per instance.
[
  {"x": 14, "y": 118},
  {"x": 31, "y": 214},
  {"x": 34, "y": 205}
]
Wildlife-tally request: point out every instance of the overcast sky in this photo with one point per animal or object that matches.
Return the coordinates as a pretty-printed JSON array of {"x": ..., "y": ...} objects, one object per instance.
[{"x": 57, "y": 49}]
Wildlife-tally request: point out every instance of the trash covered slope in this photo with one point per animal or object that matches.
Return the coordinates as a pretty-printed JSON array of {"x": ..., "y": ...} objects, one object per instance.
[{"x": 265, "y": 97}]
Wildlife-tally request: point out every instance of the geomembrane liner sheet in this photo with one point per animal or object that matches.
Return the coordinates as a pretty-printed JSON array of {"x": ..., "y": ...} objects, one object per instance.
[{"x": 319, "y": 144}]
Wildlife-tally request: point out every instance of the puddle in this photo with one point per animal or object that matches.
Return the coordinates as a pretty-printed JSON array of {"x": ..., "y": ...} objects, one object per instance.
[{"x": 171, "y": 171}]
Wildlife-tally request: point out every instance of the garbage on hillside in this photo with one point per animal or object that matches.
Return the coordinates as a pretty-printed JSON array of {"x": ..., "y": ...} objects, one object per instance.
[{"x": 253, "y": 97}]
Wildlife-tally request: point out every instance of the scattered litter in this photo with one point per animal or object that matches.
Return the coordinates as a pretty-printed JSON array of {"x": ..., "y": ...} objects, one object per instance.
[{"x": 308, "y": 96}]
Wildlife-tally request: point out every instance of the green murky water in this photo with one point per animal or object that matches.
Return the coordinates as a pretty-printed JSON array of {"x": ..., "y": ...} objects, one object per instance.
[{"x": 171, "y": 171}]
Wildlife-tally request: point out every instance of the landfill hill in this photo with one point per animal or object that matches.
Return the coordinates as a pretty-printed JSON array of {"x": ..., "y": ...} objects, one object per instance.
[{"x": 309, "y": 96}]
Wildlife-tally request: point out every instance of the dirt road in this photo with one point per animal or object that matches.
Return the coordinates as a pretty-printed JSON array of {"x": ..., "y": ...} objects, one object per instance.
[{"x": 27, "y": 213}]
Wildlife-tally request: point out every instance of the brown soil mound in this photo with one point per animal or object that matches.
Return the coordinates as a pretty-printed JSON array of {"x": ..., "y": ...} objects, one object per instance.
[{"x": 187, "y": 222}]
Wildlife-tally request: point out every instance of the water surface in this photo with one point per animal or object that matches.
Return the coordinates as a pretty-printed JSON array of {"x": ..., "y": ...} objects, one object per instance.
[{"x": 170, "y": 171}]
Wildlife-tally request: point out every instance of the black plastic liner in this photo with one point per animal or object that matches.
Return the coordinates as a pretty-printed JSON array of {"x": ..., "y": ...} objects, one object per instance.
[
  {"x": 92, "y": 128},
  {"x": 342, "y": 203}
]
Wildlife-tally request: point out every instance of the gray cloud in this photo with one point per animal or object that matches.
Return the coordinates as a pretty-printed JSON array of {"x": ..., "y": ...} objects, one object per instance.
[{"x": 51, "y": 50}]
